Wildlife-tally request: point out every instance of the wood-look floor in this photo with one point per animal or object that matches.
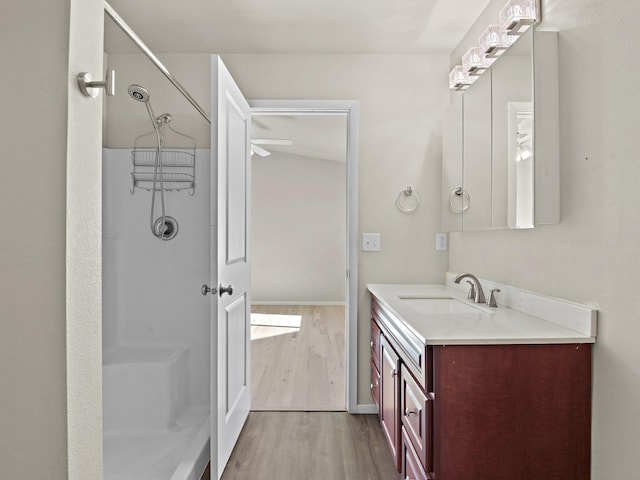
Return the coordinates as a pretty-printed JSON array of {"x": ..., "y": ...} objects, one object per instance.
[
  {"x": 298, "y": 368},
  {"x": 311, "y": 446}
]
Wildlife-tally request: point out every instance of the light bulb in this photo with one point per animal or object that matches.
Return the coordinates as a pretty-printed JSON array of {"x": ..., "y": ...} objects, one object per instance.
[
  {"x": 474, "y": 62},
  {"x": 517, "y": 16},
  {"x": 495, "y": 40}
]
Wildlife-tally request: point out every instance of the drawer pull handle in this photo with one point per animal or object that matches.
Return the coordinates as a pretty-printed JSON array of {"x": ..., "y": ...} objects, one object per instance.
[
  {"x": 394, "y": 372},
  {"x": 371, "y": 386},
  {"x": 372, "y": 344},
  {"x": 408, "y": 412}
]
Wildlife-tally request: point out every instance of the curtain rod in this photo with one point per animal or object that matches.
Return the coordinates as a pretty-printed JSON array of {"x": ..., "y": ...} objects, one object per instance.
[{"x": 138, "y": 41}]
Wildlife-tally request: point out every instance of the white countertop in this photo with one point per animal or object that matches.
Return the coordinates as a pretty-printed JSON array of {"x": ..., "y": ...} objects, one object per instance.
[{"x": 480, "y": 325}]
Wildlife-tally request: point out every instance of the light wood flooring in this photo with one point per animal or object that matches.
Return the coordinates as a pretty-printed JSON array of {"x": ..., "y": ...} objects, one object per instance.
[
  {"x": 298, "y": 358},
  {"x": 311, "y": 446}
]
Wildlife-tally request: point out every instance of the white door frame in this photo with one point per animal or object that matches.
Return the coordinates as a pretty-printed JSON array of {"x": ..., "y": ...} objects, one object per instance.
[{"x": 350, "y": 108}]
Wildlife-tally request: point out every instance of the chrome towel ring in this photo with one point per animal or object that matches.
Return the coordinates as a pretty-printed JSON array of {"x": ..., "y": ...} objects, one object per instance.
[{"x": 408, "y": 200}]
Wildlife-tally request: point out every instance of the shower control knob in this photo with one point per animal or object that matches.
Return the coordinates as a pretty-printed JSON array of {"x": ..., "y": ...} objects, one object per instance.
[
  {"x": 206, "y": 289},
  {"x": 224, "y": 289}
]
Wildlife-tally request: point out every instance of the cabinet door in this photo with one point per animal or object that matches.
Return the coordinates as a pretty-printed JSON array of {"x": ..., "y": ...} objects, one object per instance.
[
  {"x": 375, "y": 385},
  {"x": 375, "y": 344},
  {"x": 411, "y": 466},
  {"x": 476, "y": 180},
  {"x": 417, "y": 417},
  {"x": 389, "y": 398}
]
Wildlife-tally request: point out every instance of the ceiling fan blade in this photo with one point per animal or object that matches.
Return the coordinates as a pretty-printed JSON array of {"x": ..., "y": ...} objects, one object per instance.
[
  {"x": 271, "y": 141},
  {"x": 260, "y": 151}
]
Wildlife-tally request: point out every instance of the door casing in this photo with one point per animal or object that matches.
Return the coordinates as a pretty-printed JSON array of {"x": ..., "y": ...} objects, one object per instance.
[{"x": 350, "y": 108}]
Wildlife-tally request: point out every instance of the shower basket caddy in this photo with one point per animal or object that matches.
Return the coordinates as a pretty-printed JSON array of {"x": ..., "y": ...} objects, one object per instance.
[{"x": 176, "y": 168}]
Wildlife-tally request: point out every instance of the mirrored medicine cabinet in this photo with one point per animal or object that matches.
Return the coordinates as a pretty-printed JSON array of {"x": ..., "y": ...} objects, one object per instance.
[{"x": 501, "y": 142}]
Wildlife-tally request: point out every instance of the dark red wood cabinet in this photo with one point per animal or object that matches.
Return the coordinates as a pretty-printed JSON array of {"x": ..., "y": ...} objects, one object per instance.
[
  {"x": 375, "y": 363},
  {"x": 494, "y": 412},
  {"x": 389, "y": 398},
  {"x": 412, "y": 468}
]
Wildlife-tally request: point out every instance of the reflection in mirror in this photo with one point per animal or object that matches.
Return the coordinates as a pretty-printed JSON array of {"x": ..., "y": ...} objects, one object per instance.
[
  {"x": 476, "y": 178},
  {"x": 520, "y": 164},
  {"x": 452, "y": 193},
  {"x": 511, "y": 98}
]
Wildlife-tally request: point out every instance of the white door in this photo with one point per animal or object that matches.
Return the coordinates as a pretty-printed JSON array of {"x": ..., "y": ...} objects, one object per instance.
[{"x": 231, "y": 268}]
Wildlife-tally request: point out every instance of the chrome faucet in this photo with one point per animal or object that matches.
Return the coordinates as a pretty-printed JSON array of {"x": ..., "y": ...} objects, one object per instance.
[{"x": 479, "y": 294}]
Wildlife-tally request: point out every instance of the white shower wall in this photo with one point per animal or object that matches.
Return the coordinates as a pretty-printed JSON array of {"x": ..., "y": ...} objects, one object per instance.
[{"x": 151, "y": 288}]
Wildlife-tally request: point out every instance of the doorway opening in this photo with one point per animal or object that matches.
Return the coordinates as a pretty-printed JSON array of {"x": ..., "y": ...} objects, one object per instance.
[{"x": 303, "y": 261}]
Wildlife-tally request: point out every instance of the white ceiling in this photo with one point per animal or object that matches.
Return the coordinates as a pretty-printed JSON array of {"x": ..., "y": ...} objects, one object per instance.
[
  {"x": 319, "y": 136},
  {"x": 293, "y": 26}
]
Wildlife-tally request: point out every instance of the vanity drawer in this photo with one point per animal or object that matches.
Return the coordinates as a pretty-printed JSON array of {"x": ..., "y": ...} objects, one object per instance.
[
  {"x": 375, "y": 344},
  {"x": 416, "y": 411},
  {"x": 375, "y": 384},
  {"x": 417, "y": 355},
  {"x": 412, "y": 469}
]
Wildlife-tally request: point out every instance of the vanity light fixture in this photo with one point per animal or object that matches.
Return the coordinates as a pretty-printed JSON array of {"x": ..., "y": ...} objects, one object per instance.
[
  {"x": 459, "y": 79},
  {"x": 494, "y": 41},
  {"x": 475, "y": 62},
  {"x": 518, "y": 15}
]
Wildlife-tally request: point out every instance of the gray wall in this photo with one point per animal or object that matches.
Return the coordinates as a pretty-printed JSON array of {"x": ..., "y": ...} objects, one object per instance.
[
  {"x": 50, "y": 368},
  {"x": 593, "y": 255},
  {"x": 298, "y": 229}
]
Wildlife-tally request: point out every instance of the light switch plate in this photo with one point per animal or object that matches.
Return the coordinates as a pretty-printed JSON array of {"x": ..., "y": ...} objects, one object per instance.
[
  {"x": 370, "y": 242},
  {"x": 441, "y": 242}
]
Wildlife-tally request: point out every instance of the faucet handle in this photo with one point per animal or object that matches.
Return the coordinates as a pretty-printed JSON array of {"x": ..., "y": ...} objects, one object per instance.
[
  {"x": 492, "y": 298},
  {"x": 472, "y": 291}
]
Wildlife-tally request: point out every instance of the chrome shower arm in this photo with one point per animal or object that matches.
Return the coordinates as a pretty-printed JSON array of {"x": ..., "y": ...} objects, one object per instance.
[{"x": 141, "y": 45}]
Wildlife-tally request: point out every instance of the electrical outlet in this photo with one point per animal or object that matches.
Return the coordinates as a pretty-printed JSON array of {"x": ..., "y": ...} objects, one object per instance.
[
  {"x": 441, "y": 242},
  {"x": 370, "y": 242}
]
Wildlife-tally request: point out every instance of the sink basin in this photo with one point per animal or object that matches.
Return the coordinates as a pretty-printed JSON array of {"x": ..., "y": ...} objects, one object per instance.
[{"x": 437, "y": 305}]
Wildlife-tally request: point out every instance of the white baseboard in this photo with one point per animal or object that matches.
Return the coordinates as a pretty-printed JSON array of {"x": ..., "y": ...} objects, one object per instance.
[
  {"x": 298, "y": 302},
  {"x": 366, "y": 409}
]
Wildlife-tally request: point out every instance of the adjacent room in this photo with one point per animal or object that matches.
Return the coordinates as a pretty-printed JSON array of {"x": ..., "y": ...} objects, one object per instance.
[{"x": 298, "y": 277}]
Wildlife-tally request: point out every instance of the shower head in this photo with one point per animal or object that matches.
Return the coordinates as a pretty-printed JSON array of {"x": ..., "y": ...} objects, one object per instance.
[{"x": 139, "y": 93}]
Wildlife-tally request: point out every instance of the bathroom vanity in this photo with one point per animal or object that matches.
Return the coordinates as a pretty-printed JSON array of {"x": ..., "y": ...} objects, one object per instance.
[{"x": 468, "y": 391}]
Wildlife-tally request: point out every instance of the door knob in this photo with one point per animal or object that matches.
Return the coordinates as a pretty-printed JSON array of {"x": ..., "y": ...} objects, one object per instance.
[
  {"x": 206, "y": 289},
  {"x": 224, "y": 289}
]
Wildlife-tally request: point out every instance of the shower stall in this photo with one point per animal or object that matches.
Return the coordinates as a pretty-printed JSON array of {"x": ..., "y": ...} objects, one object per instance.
[
  {"x": 156, "y": 323},
  {"x": 156, "y": 356},
  {"x": 156, "y": 256},
  {"x": 176, "y": 270}
]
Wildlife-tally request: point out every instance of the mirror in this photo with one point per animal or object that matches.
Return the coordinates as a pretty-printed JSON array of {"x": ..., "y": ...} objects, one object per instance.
[
  {"x": 512, "y": 107},
  {"x": 452, "y": 199},
  {"x": 507, "y": 163},
  {"x": 476, "y": 145}
]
